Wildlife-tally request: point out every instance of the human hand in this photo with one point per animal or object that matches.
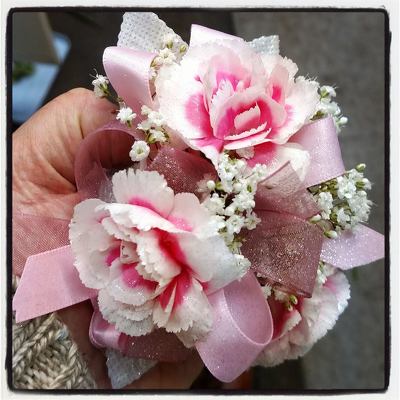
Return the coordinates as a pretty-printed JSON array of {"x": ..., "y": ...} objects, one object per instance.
[{"x": 43, "y": 184}]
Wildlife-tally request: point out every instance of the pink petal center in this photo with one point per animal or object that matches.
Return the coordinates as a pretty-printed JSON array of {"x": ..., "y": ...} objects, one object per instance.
[
  {"x": 281, "y": 315},
  {"x": 181, "y": 284},
  {"x": 138, "y": 201},
  {"x": 180, "y": 223},
  {"x": 248, "y": 119},
  {"x": 198, "y": 116},
  {"x": 112, "y": 255},
  {"x": 133, "y": 279},
  {"x": 171, "y": 249}
]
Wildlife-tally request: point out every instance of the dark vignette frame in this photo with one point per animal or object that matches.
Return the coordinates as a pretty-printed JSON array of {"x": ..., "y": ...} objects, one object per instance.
[{"x": 8, "y": 360}]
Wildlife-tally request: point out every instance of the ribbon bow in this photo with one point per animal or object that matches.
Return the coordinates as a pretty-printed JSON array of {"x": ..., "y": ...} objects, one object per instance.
[{"x": 284, "y": 249}]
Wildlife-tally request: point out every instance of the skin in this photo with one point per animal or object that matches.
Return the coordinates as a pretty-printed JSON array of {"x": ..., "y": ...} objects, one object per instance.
[{"x": 44, "y": 151}]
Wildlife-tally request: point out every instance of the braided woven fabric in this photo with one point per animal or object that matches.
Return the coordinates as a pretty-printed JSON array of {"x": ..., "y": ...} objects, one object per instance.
[{"x": 45, "y": 357}]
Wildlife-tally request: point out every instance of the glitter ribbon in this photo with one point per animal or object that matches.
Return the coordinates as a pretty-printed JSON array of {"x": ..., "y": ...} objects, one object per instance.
[{"x": 285, "y": 248}]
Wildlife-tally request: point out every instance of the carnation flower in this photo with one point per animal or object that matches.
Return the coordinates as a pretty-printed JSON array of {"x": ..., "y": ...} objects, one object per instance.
[
  {"x": 224, "y": 96},
  {"x": 153, "y": 256},
  {"x": 296, "y": 331}
]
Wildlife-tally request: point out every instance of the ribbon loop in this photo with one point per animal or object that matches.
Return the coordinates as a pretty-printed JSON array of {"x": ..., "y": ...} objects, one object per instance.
[
  {"x": 283, "y": 192},
  {"x": 242, "y": 327},
  {"x": 129, "y": 72},
  {"x": 201, "y": 35},
  {"x": 320, "y": 139},
  {"x": 284, "y": 249},
  {"x": 102, "y": 152}
]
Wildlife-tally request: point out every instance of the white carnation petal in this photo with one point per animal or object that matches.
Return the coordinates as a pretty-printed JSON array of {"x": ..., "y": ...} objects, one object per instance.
[
  {"x": 119, "y": 232},
  {"x": 91, "y": 243},
  {"x": 194, "y": 309},
  {"x": 145, "y": 188},
  {"x": 298, "y": 157},
  {"x": 174, "y": 87},
  {"x": 210, "y": 260},
  {"x": 133, "y": 321},
  {"x": 153, "y": 260},
  {"x": 85, "y": 230},
  {"x": 319, "y": 314},
  {"x": 302, "y": 102},
  {"x": 141, "y": 218},
  {"x": 340, "y": 286},
  {"x": 86, "y": 275},
  {"x": 270, "y": 61},
  {"x": 135, "y": 293},
  {"x": 189, "y": 214}
]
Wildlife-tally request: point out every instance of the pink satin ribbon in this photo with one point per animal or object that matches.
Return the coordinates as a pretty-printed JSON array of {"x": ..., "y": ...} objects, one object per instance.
[
  {"x": 242, "y": 327},
  {"x": 129, "y": 72},
  {"x": 320, "y": 139},
  {"x": 201, "y": 35},
  {"x": 49, "y": 283},
  {"x": 354, "y": 248},
  {"x": 102, "y": 333}
]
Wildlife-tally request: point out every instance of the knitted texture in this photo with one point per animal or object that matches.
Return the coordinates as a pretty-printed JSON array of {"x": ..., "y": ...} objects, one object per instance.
[{"x": 45, "y": 357}]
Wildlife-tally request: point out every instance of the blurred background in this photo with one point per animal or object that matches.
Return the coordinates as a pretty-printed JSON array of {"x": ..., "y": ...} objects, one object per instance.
[{"x": 53, "y": 52}]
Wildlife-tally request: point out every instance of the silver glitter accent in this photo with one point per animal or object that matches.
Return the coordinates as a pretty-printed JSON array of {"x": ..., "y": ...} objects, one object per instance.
[
  {"x": 124, "y": 370},
  {"x": 266, "y": 45}
]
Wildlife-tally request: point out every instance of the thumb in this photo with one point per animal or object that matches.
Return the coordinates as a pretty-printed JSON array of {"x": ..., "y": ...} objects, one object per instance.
[{"x": 50, "y": 138}]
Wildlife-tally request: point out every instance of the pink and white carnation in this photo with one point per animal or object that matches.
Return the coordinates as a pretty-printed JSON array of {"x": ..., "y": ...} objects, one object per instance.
[
  {"x": 224, "y": 96},
  {"x": 296, "y": 331},
  {"x": 153, "y": 255}
]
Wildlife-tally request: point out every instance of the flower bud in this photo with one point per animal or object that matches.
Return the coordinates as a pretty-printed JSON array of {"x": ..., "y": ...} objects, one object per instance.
[
  {"x": 211, "y": 185},
  {"x": 360, "y": 167},
  {"x": 331, "y": 234},
  {"x": 315, "y": 219}
]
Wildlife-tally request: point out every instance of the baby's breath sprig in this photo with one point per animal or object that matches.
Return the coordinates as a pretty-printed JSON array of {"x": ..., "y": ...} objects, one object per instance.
[
  {"x": 289, "y": 300},
  {"x": 153, "y": 126},
  {"x": 327, "y": 106},
  {"x": 100, "y": 85},
  {"x": 101, "y": 88},
  {"x": 171, "y": 51},
  {"x": 343, "y": 202},
  {"x": 125, "y": 115},
  {"x": 230, "y": 199}
]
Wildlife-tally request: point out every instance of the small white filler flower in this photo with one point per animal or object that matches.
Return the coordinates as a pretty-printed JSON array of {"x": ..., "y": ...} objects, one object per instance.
[
  {"x": 100, "y": 85},
  {"x": 139, "y": 151},
  {"x": 126, "y": 116}
]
